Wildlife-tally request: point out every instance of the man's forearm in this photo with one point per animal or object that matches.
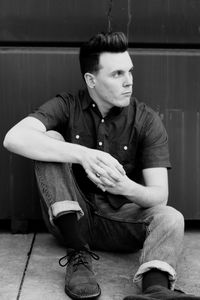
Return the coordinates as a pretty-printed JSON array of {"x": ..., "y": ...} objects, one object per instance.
[
  {"x": 39, "y": 146},
  {"x": 145, "y": 196}
]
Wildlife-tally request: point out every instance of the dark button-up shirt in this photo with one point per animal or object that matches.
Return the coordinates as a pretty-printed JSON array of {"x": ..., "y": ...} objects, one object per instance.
[{"x": 134, "y": 135}]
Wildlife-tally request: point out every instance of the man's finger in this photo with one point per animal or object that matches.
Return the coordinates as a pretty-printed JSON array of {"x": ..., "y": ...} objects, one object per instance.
[
  {"x": 107, "y": 182},
  {"x": 110, "y": 173},
  {"x": 99, "y": 179},
  {"x": 112, "y": 163}
]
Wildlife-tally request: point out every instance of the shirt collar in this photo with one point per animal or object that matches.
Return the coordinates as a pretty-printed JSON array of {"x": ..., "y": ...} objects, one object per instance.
[{"x": 88, "y": 101}]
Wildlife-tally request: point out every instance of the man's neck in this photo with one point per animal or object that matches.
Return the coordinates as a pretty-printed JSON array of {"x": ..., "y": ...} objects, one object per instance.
[{"x": 104, "y": 110}]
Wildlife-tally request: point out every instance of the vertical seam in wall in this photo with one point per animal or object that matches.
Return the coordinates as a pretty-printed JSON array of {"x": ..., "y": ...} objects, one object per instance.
[
  {"x": 110, "y": 7},
  {"x": 129, "y": 17},
  {"x": 26, "y": 267}
]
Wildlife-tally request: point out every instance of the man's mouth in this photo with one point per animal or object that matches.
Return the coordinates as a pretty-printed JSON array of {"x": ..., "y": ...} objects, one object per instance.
[{"x": 127, "y": 93}]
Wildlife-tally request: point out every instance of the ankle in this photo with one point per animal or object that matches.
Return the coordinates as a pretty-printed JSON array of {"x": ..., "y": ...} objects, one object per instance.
[
  {"x": 155, "y": 277},
  {"x": 69, "y": 229}
]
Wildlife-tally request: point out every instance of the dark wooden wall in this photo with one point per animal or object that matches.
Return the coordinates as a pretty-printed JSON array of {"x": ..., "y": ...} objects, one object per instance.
[{"x": 39, "y": 43}]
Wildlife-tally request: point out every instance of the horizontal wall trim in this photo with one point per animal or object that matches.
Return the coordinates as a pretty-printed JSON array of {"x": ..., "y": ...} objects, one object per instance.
[
  {"x": 75, "y": 50},
  {"x": 61, "y": 44}
]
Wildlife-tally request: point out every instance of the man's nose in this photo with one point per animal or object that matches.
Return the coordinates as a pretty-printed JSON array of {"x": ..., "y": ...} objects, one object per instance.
[{"x": 128, "y": 80}]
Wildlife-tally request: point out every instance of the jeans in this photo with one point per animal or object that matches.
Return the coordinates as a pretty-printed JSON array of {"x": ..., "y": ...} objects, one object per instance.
[{"x": 158, "y": 230}]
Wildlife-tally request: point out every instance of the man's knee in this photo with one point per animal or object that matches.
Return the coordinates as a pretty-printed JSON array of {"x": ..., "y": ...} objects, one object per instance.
[
  {"x": 172, "y": 217},
  {"x": 55, "y": 135}
]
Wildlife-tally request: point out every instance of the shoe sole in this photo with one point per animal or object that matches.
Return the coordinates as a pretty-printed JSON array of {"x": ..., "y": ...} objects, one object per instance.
[
  {"x": 138, "y": 297},
  {"x": 77, "y": 297},
  {"x": 156, "y": 298}
]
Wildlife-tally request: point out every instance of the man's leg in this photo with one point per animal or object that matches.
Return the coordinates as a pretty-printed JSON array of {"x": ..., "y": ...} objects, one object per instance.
[
  {"x": 66, "y": 213},
  {"x": 163, "y": 243},
  {"x": 161, "y": 250},
  {"x": 158, "y": 231}
]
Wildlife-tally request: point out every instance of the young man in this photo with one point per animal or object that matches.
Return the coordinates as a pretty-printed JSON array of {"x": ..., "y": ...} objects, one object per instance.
[{"x": 101, "y": 168}]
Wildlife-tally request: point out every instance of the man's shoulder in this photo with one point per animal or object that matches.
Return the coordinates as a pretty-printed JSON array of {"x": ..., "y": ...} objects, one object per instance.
[
  {"x": 143, "y": 111},
  {"x": 72, "y": 98},
  {"x": 66, "y": 96}
]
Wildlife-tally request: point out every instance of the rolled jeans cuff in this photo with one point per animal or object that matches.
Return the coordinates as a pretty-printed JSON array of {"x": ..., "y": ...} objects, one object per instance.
[
  {"x": 156, "y": 264},
  {"x": 63, "y": 207}
]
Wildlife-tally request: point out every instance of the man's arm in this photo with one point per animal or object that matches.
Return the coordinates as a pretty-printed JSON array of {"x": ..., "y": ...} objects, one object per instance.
[
  {"x": 154, "y": 192},
  {"x": 29, "y": 138}
]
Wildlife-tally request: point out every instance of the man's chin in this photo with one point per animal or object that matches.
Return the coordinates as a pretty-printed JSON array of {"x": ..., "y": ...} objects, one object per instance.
[{"x": 126, "y": 102}]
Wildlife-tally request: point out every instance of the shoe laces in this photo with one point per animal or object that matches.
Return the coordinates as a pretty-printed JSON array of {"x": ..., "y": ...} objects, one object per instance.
[{"x": 78, "y": 257}]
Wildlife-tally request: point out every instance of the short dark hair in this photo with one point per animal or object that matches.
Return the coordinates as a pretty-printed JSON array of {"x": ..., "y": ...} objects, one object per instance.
[{"x": 113, "y": 42}]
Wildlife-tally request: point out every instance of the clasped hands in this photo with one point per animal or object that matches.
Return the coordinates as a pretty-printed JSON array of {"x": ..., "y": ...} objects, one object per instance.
[{"x": 105, "y": 171}]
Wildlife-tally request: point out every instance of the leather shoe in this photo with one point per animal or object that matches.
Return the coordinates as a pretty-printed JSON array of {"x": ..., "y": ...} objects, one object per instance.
[{"x": 80, "y": 281}]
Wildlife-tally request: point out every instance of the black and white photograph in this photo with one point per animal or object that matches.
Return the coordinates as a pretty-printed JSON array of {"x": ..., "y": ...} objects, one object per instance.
[{"x": 100, "y": 149}]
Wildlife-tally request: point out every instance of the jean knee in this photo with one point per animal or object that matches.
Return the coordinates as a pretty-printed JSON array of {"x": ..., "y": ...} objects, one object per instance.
[
  {"x": 173, "y": 217},
  {"x": 55, "y": 135}
]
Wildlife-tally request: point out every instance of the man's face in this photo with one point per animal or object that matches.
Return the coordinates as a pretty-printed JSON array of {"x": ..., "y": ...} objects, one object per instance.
[{"x": 113, "y": 81}]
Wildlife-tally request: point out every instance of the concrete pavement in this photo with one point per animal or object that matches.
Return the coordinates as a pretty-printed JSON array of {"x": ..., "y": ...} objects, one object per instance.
[{"x": 30, "y": 270}]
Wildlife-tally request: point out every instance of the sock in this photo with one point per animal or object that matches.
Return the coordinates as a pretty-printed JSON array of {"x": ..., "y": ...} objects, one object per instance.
[
  {"x": 155, "y": 277},
  {"x": 68, "y": 226}
]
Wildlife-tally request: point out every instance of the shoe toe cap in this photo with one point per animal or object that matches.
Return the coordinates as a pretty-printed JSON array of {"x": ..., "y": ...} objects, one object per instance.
[{"x": 84, "y": 291}]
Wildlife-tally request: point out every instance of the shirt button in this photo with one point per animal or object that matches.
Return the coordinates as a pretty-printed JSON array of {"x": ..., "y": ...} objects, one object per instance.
[
  {"x": 125, "y": 148},
  {"x": 77, "y": 136},
  {"x": 102, "y": 121},
  {"x": 93, "y": 105},
  {"x": 100, "y": 143}
]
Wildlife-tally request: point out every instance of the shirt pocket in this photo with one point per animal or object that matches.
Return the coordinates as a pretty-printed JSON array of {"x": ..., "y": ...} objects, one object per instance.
[
  {"x": 82, "y": 138},
  {"x": 125, "y": 153}
]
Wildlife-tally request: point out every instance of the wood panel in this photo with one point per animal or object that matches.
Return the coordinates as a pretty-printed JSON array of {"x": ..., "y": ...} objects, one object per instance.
[{"x": 145, "y": 21}]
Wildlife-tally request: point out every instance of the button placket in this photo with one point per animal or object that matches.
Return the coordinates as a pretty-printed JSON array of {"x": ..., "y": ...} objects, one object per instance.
[{"x": 101, "y": 135}]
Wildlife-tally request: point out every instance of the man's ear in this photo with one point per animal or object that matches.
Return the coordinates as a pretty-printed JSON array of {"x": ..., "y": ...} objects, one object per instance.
[{"x": 90, "y": 80}]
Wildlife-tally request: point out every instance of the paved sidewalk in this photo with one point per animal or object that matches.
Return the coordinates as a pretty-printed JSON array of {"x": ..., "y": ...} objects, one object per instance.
[{"x": 30, "y": 270}]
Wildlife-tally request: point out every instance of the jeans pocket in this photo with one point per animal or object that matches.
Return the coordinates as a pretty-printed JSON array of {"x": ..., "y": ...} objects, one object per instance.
[{"x": 111, "y": 234}]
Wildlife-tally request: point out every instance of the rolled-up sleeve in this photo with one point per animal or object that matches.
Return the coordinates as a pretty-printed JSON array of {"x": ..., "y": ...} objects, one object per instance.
[
  {"x": 154, "y": 145},
  {"x": 53, "y": 113}
]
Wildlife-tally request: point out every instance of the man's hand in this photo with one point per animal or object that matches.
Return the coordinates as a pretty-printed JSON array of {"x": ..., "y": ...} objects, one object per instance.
[
  {"x": 119, "y": 188},
  {"x": 102, "y": 168}
]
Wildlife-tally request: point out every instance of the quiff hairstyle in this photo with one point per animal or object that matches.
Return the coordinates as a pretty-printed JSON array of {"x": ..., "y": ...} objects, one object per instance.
[{"x": 114, "y": 42}]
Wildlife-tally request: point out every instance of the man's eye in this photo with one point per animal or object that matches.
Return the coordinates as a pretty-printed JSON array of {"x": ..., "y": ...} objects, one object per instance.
[
  {"x": 131, "y": 71},
  {"x": 117, "y": 74}
]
